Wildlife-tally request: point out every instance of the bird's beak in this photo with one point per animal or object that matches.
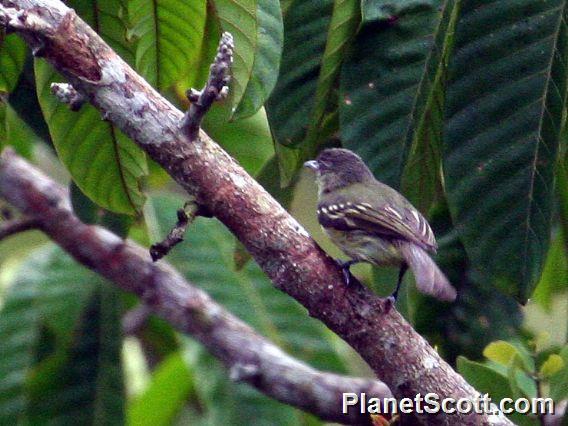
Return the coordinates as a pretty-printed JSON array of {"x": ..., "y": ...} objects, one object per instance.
[{"x": 312, "y": 164}]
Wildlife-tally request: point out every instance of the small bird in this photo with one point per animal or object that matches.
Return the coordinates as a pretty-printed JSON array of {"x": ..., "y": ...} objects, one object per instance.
[{"x": 371, "y": 222}]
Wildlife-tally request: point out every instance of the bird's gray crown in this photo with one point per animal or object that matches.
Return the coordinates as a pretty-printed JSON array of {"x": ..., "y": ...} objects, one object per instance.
[{"x": 340, "y": 167}]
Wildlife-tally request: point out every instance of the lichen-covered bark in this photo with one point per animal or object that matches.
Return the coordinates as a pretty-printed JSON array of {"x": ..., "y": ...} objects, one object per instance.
[{"x": 296, "y": 265}]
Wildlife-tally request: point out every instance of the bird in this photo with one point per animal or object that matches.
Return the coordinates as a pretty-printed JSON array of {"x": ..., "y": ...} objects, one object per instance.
[{"x": 371, "y": 222}]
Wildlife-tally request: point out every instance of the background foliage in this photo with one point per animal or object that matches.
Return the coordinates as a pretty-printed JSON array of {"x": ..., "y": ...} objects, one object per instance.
[{"x": 460, "y": 105}]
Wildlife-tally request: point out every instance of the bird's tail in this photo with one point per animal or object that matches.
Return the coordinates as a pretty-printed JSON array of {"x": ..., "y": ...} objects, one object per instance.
[{"x": 429, "y": 279}]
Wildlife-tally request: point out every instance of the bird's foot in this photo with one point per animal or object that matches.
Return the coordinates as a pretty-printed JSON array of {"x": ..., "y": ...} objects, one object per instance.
[
  {"x": 345, "y": 269},
  {"x": 390, "y": 303}
]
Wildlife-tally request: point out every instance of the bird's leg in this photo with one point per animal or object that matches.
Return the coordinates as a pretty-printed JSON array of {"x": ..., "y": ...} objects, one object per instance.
[
  {"x": 345, "y": 268},
  {"x": 401, "y": 272}
]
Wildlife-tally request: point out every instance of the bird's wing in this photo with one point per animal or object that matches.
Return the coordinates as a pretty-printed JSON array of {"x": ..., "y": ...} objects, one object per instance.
[{"x": 386, "y": 220}]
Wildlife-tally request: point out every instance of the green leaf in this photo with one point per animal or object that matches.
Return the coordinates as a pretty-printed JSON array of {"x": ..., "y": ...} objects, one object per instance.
[
  {"x": 103, "y": 162},
  {"x": 422, "y": 174},
  {"x": 501, "y": 352},
  {"x": 487, "y": 380},
  {"x": 89, "y": 212},
  {"x": 170, "y": 388},
  {"x": 305, "y": 33},
  {"x": 559, "y": 381},
  {"x": 386, "y": 86},
  {"x": 554, "y": 279},
  {"x": 552, "y": 365},
  {"x": 12, "y": 57},
  {"x": 266, "y": 58},
  {"x": 239, "y": 17},
  {"x": 23, "y": 99},
  {"x": 83, "y": 382},
  {"x": 342, "y": 27},
  {"x": 18, "y": 134},
  {"x": 248, "y": 140},
  {"x": 49, "y": 290},
  {"x": 507, "y": 89},
  {"x": 562, "y": 188},
  {"x": 484, "y": 379},
  {"x": 169, "y": 35},
  {"x": 289, "y": 161}
]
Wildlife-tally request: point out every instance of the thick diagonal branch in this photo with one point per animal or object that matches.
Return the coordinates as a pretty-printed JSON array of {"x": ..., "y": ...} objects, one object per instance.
[
  {"x": 248, "y": 356},
  {"x": 283, "y": 249}
]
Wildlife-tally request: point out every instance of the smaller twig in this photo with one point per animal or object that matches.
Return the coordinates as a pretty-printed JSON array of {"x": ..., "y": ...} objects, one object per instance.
[
  {"x": 15, "y": 226},
  {"x": 135, "y": 319},
  {"x": 216, "y": 88},
  {"x": 175, "y": 236},
  {"x": 67, "y": 94}
]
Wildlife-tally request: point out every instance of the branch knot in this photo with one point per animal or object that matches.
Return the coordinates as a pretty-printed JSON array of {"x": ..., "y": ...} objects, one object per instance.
[{"x": 67, "y": 94}]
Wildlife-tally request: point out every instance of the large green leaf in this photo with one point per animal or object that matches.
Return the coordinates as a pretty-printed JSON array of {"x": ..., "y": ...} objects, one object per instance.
[
  {"x": 44, "y": 320},
  {"x": 12, "y": 57},
  {"x": 266, "y": 58},
  {"x": 422, "y": 175},
  {"x": 103, "y": 162},
  {"x": 169, "y": 36},
  {"x": 504, "y": 108},
  {"x": 170, "y": 388},
  {"x": 239, "y": 17},
  {"x": 23, "y": 99},
  {"x": 387, "y": 82},
  {"x": 305, "y": 33},
  {"x": 82, "y": 383},
  {"x": 205, "y": 257},
  {"x": 248, "y": 140},
  {"x": 18, "y": 134},
  {"x": 89, "y": 212},
  {"x": 344, "y": 22}
]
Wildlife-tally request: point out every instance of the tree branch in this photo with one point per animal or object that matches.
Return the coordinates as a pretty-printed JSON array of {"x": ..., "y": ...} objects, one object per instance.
[
  {"x": 279, "y": 244},
  {"x": 175, "y": 236},
  {"x": 248, "y": 356},
  {"x": 67, "y": 94},
  {"x": 216, "y": 88},
  {"x": 15, "y": 226}
]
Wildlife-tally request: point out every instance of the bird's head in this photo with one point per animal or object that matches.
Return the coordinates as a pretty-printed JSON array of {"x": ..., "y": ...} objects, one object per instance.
[{"x": 337, "y": 168}]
